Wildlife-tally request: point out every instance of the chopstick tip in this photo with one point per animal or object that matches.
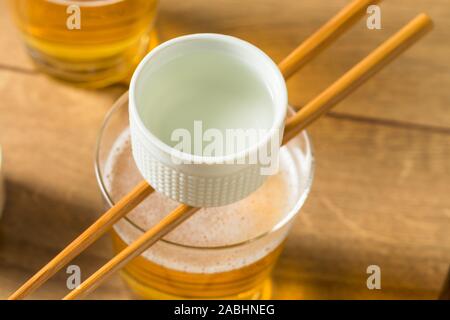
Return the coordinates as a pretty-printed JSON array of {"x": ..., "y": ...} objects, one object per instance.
[{"x": 425, "y": 19}]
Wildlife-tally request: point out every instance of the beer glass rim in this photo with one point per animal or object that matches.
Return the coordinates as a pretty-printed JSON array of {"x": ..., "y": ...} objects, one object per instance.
[{"x": 300, "y": 200}]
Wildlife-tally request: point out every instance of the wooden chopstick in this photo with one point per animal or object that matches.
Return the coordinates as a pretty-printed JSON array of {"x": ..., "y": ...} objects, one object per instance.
[
  {"x": 288, "y": 67},
  {"x": 347, "y": 83},
  {"x": 325, "y": 35},
  {"x": 97, "y": 229},
  {"x": 377, "y": 59},
  {"x": 181, "y": 213}
]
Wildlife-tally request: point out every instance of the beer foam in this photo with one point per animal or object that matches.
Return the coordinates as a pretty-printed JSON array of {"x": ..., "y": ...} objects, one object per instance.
[{"x": 209, "y": 227}]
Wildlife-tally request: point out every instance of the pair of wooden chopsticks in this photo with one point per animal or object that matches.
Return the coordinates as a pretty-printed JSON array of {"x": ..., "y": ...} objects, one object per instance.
[{"x": 309, "y": 113}]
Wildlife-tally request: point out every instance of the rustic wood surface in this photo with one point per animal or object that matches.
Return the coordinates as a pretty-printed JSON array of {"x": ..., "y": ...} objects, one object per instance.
[{"x": 382, "y": 182}]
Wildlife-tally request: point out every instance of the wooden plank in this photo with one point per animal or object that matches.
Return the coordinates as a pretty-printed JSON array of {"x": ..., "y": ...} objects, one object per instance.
[
  {"x": 379, "y": 195},
  {"x": 20, "y": 260},
  {"x": 48, "y": 142},
  {"x": 12, "y": 52},
  {"x": 48, "y": 134},
  {"x": 399, "y": 221},
  {"x": 378, "y": 198},
  {"x": 415, "y": 85},
  {"x": 416, "y": 82}
]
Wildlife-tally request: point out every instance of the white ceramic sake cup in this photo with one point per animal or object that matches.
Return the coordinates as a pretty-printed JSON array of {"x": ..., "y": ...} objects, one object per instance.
[{"x": 197, "y": 180}]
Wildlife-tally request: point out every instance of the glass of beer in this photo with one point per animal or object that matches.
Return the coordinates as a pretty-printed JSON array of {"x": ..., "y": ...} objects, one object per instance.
[
  {"x": 223, "y": 252},
  {"x": 91, "y": 43}
]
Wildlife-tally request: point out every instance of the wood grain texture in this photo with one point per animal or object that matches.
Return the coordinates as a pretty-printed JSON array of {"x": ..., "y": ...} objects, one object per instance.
[
  {"x": 380, "y": 194},
  {"x": 13, "y": 56},
  {"x": 277, "y": 26},
  {"x": 151, "y": 236},
  {"x": 351, "y": 80},
  {"x": 85, "y": 239},
  {"x": 378, "y": 198}
]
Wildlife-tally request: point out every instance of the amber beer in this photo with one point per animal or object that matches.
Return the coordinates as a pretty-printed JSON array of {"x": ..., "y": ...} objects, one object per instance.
[
  {"x": 91, "y": 43},
  {"x": 152, "y": 281},
  {"x": 222, "y": 253}
]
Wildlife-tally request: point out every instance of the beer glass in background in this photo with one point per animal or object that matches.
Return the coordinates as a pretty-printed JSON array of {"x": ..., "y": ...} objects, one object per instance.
[
  {"x": 179, "y": 268},
  {"x": 92, "y": 43}
]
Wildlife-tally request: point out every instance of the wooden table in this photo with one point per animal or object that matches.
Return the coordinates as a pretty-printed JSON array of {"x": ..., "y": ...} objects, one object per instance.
[{"x": 381, "y": 193}]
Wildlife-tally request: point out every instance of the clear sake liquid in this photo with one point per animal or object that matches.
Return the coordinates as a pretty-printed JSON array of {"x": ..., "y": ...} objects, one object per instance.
[{"x": 215, "y": 88}]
